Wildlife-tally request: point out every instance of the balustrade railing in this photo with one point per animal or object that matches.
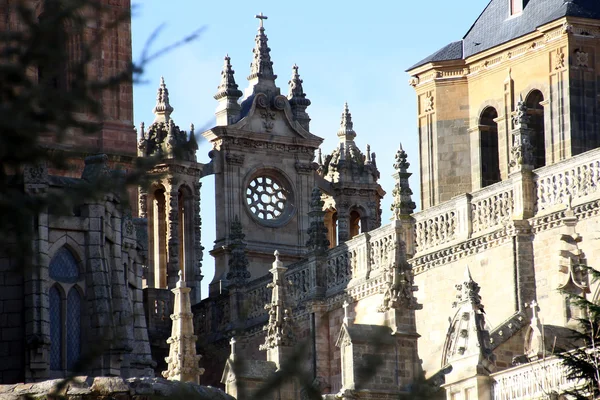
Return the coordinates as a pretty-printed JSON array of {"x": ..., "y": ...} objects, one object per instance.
[
  {"x": 492, "y": 206},
  {"x": 536, "y": 380},
  {"x": 568, "y": 181},
  {"x": 572, "y": 181}
]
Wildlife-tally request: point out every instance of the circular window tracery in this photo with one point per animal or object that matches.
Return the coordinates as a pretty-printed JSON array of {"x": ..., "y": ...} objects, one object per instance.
[{"x": 266, "y": 198}]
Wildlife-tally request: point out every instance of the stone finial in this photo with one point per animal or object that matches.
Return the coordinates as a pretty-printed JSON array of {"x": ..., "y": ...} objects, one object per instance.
[
  {"x": 238, "y": 274},
  {"x": 317, "y": 231},
  {"x": 228, "y": 88},
  {"x": 319, "y": 157},
  {"x": 192, "y": 143},
  {"x": 280, "y": 328},
  {"x": 162, "y": 111},
  {"x": 468, "y": 291},
  {"x": 232, "y": 343},
  {"x": 261, "y": 67},
  {"x": 182, "y": 362},
  {"x": 346, "y": 132},
  {"x": 402, "y": 204}
]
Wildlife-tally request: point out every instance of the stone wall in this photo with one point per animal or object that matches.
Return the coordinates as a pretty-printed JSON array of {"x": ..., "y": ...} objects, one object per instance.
[{"x": 99, "y": 388}]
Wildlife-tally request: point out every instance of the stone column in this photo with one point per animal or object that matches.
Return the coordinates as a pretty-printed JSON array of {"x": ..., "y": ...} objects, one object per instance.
[
  {"x": 196, "y": 295},
  {"x": 143, "y": 203},
  {"x": 172, "y": 200},
  {"x": 343, "y": 217}
]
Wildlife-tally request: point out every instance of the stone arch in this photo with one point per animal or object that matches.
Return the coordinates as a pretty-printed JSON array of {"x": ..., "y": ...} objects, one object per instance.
[
  {"x": 157, "y": 236},
  {"x": 330, "y": 220},
  {"x": 489, "y": 147},
  {"x": 359, "y": 220},
  {"x": 75, "y": 249}
]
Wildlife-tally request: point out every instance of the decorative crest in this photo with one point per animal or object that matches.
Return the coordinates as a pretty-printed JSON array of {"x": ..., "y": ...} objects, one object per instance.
[
  {"x": 163, "y": 109},
  {"x": 228, "y": 87}
]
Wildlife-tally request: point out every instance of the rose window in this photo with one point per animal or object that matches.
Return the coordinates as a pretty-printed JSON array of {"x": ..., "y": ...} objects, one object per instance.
[{"x": 266, "y": 198}]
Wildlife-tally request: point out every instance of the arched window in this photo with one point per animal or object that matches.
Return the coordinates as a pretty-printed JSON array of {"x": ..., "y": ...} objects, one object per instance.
[
  {"x": 488, "y": 145},
  {"x": 186, "y": 231},
  {"x": 536, "y": 113},
  {"x": 159, "y": 239},
  {"x": 65, "y": 310},
  {"x": 331, "y": 225}
]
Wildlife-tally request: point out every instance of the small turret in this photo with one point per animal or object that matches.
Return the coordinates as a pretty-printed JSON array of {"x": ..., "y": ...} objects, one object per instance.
[
  {"x": 403, "y": 206},
  {"x": 162, "y": 111}
]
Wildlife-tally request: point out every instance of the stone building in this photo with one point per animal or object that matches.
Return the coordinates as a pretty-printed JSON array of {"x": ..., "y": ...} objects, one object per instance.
[{"x": 307, "y": 276}]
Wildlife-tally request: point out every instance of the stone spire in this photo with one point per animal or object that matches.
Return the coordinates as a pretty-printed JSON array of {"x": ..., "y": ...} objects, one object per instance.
[
  {"x": 182, "y": 363},
  {"x": 346, "y": 132},
  {"x": 468, "y": 346},
  {"x": 297, "y": 99},
  {"x": 317, "y": 231},
  {"x": 280, "y": 337},
  {"x": 238, "y": 274},
  {"x": 261, "y": 68},
  {"x": 162, "y": 111},
  {"x": 402, "y": 204}
]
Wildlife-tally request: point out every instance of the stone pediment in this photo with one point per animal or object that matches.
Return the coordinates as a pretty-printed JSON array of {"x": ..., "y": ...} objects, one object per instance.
[
  {"x": 248, "y": 370},
  {"x": 273, "y": 116}
]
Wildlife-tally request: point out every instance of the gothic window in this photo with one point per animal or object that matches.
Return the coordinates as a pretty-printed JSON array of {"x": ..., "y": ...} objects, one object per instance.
[
  {"x": 488, "y": 145},
  {"x": 65, "y": 307},
  {"x": 536, "y": 113}
]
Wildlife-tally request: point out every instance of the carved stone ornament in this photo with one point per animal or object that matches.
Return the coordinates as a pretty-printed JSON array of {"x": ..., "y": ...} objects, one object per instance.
[
  {"x": 559, "y": 59},
  {"x": 581, "y": 58}
]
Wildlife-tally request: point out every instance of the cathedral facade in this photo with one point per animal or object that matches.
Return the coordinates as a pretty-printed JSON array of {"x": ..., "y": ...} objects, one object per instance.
[{"x": 470, "y": 292}]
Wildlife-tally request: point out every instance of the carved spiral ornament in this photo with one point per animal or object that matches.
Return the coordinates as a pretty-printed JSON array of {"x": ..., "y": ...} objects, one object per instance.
[{"x": 266, "y": 198}]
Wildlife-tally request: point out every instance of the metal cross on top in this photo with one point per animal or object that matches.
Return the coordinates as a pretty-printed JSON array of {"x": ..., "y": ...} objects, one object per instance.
[{"x": 261, "y": 17}]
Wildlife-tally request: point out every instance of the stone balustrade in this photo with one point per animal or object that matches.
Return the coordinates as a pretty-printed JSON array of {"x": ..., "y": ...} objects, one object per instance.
[
  {"x": 571, "y": 182},
  {"x": 568, "y": 182},
  {"x": 536, "y": 380}
]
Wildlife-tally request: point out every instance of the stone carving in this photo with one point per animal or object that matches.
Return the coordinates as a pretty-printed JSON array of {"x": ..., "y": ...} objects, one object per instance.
[
  {"x": 238, "y": 274},
  {"x": 522, "y": 150},
  {"x": 559, "y": 59},
  {"x": 571, "y": 257},
  {"x": 317, "y": 231},
  {"x": 398, "y": 289},
  {"x": 581, "y": 58},
  {"x": 266, "y": 198},
  {"x": 280, "y": 328},
  {"x": 297, "y": 99}
]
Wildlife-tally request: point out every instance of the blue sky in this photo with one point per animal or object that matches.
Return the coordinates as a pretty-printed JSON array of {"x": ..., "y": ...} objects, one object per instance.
[{"x": 346, "y": 51}]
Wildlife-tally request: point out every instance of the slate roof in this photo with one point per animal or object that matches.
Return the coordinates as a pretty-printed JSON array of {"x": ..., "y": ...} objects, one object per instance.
[{"x": 494, "y": 26}]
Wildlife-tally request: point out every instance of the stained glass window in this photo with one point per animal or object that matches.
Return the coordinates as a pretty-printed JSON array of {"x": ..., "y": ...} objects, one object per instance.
[
  {"x": 55, "y": 329},
  {"x": 73, "y": 327},
  {"x": 63, "y": 266}
]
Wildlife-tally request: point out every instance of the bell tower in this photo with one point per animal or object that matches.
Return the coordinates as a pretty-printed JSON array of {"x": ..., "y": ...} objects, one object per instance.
[
  {"x": 171, "y": 201},
  {"x": 263, "y": 165}
]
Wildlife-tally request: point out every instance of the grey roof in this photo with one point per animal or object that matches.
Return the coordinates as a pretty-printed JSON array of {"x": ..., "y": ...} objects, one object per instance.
[
  {"x": 360, "y": 333},
  {"x": 494, "y": 26},
  {"x": 452, "y": 51}
]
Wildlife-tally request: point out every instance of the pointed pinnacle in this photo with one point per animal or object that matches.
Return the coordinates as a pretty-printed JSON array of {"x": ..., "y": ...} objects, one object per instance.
[
  {"x": 261, "y": 66},
  {"x": 468, "y": 277},
  {"x": 227, "y": 87},
  {"x": 163, "y": 106},
  {"x": 346, "y": 133}
]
